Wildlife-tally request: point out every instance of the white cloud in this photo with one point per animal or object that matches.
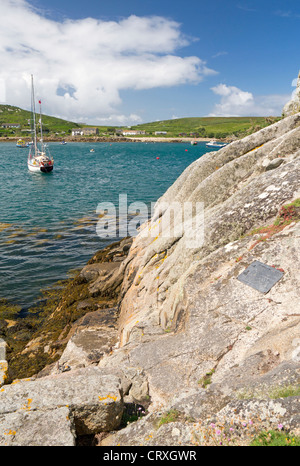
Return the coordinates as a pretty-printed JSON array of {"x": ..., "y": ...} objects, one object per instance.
[
  {"x": 219, "y": 54},
  {"x": 80, "y": 66},
  {"x": 119, "y": 120},
  {"x": 287, "y": 14},
  {"x": 246, "y": 8},
  {"x": 236, "y": 102}
]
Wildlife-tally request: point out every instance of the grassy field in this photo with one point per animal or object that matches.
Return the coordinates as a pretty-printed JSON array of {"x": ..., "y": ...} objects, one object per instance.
[
  {"x": 211, "y": 127},
  {"x": 208, "y": 127}
]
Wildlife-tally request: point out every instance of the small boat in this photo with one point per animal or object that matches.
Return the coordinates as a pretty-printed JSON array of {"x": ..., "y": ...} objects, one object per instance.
[
  {"x": 92, "y": 150},
  {"x": 193, "y": 143},
  {"x": 39, "y": 158},
  {"x": 21, "y": 143},
  {"x": 63, "y": 143},
  {"x": 216, "y": 144}
]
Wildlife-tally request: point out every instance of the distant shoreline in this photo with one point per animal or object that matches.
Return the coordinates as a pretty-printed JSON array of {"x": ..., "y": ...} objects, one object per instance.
[{"x": 114, "y": 139}]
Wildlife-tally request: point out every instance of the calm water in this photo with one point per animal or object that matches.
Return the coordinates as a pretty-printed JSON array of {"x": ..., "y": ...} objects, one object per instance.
[{"x": 48, "y": 221}]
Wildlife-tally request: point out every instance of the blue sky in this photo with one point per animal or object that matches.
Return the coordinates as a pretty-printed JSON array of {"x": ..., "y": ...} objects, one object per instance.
[{"x": 123, "y": 63}]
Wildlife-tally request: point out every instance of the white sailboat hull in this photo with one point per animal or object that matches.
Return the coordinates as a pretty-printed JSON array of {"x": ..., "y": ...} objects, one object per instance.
[
  {"x": 43, "y": 167},
  {"x": 39, "y": 162},
  {"x": 33, "y": 168}
]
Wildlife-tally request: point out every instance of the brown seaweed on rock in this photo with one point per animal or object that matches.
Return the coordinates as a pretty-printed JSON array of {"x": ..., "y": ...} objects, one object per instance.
[{"x": 38, "y": 339}]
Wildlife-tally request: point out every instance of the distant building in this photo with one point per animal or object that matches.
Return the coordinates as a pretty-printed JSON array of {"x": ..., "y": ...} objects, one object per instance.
[
  {"x": 77, "y": 132},
  {"x": 133, "y": 133},
  {"x": 85, "y": 131},
  {"x": 90, "y": 131},
  {"x": 160, "y": 132},
  {"x": 11, "y": 125}
]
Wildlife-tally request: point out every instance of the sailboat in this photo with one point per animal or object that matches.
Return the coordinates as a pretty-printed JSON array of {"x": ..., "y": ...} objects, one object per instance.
[{"x": 39, "y": 158}]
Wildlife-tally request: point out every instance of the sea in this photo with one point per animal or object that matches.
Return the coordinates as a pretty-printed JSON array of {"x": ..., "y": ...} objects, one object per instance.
[{"x": 50, "y": 224}]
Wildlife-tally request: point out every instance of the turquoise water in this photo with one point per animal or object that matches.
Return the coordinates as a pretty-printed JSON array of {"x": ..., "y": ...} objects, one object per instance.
[{"x": 48, "y": 221}]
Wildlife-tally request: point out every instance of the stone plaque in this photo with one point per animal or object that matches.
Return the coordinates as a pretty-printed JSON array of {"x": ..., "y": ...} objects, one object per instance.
[{"x": 260, "y": 276}]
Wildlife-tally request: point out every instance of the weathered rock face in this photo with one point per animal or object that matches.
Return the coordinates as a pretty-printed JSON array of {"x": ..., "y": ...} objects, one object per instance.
[
  {"x": 185, "y": 318},
  {"x": 293, "y": 106},
  {"x": 190, "y": 337},
  {"x": 239, "y": 193}
]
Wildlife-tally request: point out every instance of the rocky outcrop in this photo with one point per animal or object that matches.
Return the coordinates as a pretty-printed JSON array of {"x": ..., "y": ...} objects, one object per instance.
[
  {"x": 293, "y": 106},
  {"x": 98, "y": 407},
  {"x": 187, "y": 339},
  {"x": 185, "y": 318}
]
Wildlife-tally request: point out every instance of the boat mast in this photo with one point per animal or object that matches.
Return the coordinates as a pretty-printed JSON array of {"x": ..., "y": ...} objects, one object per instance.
[
  {"x": 33, "y": 114},
  {"x": 42, "y": 142}
]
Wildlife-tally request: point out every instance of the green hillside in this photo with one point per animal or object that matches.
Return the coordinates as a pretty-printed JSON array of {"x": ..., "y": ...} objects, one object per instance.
[
  {"x": 15, "y": 115},
  {"x": 211, "y": 127}
]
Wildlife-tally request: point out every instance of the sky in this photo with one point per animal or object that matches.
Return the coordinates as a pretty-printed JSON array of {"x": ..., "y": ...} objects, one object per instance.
[{"x": 122, "y": 63}]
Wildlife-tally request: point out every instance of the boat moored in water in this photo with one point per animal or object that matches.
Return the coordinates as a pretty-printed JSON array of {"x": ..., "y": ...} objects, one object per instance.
[
  {"x": 40, "y": 162},
  {"x": 39, "y": 158},
  {"x": 21, "y": 143},
  {"x": 217, "y": 145}
]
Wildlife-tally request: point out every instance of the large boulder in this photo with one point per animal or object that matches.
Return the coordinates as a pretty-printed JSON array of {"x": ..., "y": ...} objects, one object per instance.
[
  {"x": 94, "y": 335},
  {"x": 92, "y": 398},
  {"x": 38, "y": 428}
]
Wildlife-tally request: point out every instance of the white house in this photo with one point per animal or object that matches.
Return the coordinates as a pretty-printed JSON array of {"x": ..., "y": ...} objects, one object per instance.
[
  {"x": 133, "y": 133},
  {"x": 85, "y": 131},
  {"x": 77, "y": 132},
  {"x": 11, "y": 125}
]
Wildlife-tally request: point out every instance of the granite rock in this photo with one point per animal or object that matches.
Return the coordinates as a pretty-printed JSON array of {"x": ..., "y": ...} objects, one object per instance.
[
  {"x": 95, "y": 406},
  {"x": 38, "y": 428}
]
